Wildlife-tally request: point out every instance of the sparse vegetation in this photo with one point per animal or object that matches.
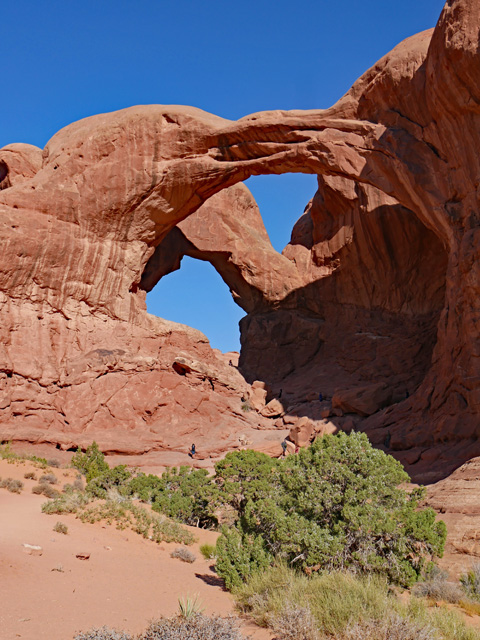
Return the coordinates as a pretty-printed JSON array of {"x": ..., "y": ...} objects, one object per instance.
[
  {"x": 7, "y": 453},
  {"x": 60, "y": 528},
  {"x": 48, "y": 478},
  {"x": 438, "y": 587},
  {"x": 198, "y": 627},
  {"x": 344, "y": 606},
  {"x": 470, "y": 582},
  {"x": 104, "y": 633},
  {"x": 11, "y": 484},
  {"x": 394, "y": 627},
  {"x": 246, "y": 406},
  {"x": 208, "y": 551},
  {"x": 189, "y": 606},
  {"x": 30, "y": 475},
  {"x": 53, "y": 462},
  {"x": 183, "y": 554},
  {"x": 43, "y": 488}
]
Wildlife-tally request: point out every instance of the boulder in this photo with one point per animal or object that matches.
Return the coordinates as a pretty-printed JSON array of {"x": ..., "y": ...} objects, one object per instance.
[
  {"x": 302, "y": 433},
  {"x": 363, "y": 400}
]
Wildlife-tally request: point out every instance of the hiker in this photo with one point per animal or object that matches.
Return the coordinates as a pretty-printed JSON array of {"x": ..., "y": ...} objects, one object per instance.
[
  {"x": 284, "y": 448},
  {"x": 297, "y": 448},
  {"x": 320, "y": 397},
  {"x": 191, "y": 453}
]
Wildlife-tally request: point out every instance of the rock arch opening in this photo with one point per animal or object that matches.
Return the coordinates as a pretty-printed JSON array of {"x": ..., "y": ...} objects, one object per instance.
[
  {"x": 349, "y": 308},
  {"x": 195, "y": 295}
]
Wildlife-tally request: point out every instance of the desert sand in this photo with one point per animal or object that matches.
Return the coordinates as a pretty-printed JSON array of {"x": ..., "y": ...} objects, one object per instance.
[{"x": 126, "y": 581}]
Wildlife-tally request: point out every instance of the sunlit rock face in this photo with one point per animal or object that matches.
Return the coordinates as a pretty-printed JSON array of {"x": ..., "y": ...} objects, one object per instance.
[{"x": 375, "y": 302}]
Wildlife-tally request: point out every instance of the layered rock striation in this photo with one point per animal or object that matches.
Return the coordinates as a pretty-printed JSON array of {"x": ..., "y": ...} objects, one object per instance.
[{"x": 375, "y": 302}]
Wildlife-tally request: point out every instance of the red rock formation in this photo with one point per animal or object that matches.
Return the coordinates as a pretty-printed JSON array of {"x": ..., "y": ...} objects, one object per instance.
[{"x": 379, "y": 285}]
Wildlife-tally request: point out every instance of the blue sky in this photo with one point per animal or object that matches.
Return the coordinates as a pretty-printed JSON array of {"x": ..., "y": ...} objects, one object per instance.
[{"x": 67, "y": 60}]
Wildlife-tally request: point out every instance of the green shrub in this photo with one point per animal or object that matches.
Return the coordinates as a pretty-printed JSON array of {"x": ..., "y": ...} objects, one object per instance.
[
  {"x": 91, "y": 463},
  {"x": 116, "y": 478},
  {"x": 188, "y": 495},
  {"x": 336, "y": 505},
  {"x": 239, "y": 556},
  {"x": 208, "y": 551},
  {"x": 244, "y": 476}
]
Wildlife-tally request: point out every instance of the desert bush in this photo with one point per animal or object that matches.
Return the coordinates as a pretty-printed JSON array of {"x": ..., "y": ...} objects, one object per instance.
[
  {"x": 341, "y": 601},
  {"x": 208, "y": 551},
  {"x": 447, "y": 623},
  {"x": 78, "y": 484},
  {"x": 470, "y": 581},
  {"x": 12, "y": 485},
  {"x": 53, "y": 462},
  {"x": 30, "y": 475},
  {"x": 394, "y": 627},
  {"x": 48, "y": 491},
  {"x": 294, "y": 623},
  {"x": 103, "y": 634},
  {"x": 333, "y": 599},
  {"x": 60, "y": 528},
  {"x": 66, "y": 503},
  {"x": 48, "y": 478},
  {"x": 336, "y": 505},
  {"x": 38, "y": 489},
  {"x": 184, "y": 554},
  {"x": 438, "y": 587},
  {"x": 197, "y": 627},
  {"x": 126, "y": 515}
]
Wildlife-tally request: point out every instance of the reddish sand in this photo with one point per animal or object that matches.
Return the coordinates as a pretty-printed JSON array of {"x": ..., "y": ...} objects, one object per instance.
[{"x": 126, "y": 581}]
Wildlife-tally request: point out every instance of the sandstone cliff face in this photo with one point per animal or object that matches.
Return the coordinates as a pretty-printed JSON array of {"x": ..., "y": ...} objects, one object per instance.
[{"x": 375, "y": 300}]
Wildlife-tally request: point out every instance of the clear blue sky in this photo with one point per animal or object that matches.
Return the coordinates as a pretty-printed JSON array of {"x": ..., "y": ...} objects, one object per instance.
[{"x": 66, "y": 60}]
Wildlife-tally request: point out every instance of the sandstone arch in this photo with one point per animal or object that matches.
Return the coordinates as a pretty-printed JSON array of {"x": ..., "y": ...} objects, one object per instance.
[{"x": 112, "y": 187}]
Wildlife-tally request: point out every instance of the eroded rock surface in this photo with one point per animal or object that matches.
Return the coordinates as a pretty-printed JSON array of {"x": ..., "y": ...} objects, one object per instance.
[{"x": 378, "y": 289}]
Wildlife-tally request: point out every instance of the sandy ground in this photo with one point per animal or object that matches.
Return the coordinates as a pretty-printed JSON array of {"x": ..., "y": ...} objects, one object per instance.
[{"x": 126, "y": 581}]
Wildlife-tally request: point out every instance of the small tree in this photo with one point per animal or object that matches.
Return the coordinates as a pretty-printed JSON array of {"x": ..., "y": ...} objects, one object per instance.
[
  {"x": 91, "y": 463},
  {"x": 337, "y": 505}
]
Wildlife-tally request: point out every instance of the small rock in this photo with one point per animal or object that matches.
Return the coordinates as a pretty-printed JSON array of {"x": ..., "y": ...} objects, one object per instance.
[
  {"x": 82, "y": 556},
  {"x": 32, "y": 549}
]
